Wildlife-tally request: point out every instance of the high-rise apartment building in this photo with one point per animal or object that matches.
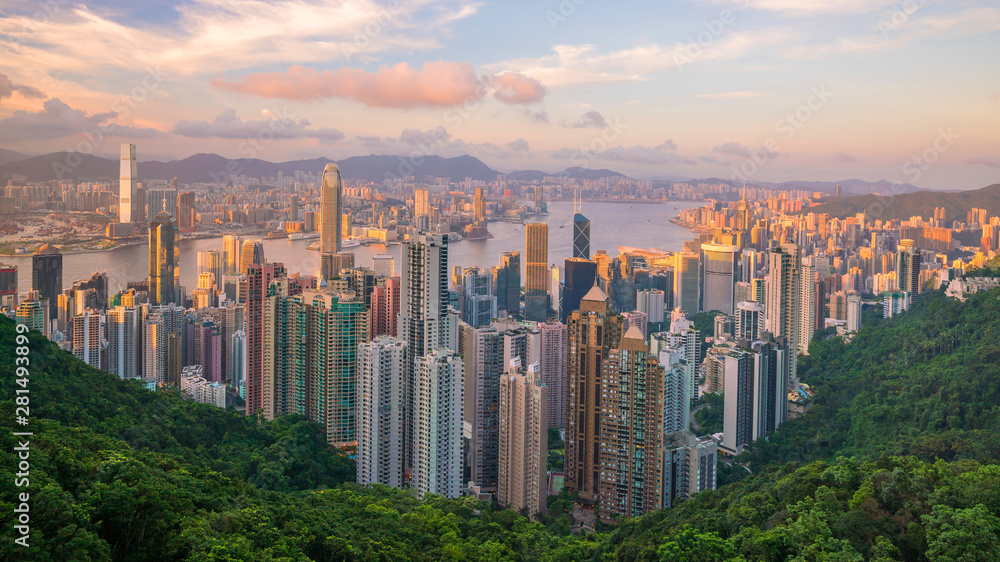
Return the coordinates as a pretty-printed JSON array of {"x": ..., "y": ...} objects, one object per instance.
[
  {"x": 749, "y": 321},
  {"x": 483, "y": 352},
  {"x": 128, "y": 200},
  {"x": 478, "y": 304},
  {"x": 259, "y": 277},
  {"x": 523, "y": 439},
  {"x": 631, "y": 410},
  {"x": 380, "y": 412},
  {"x": 536, "y": 299},
  {"x": 437, "y": 431},
  {"x": 385, "y": 308},
  {"x": 164, "y": 258},
  {"x": 552, "y": 360},
  {"x": 124, "y": 333},
  {"x": 231, "y": 248},
  {"x": 908, "y": 262},
  {"x": 689, "y": 466},
  {"x": 88, "y": 330},
  {"x": 252, "y": 252},
  {"x": 331, "y": 209},
  {"x": 592, "y": 331},
  {"x": 186, "y": 210},
  {"x": 687, "y": 290}
]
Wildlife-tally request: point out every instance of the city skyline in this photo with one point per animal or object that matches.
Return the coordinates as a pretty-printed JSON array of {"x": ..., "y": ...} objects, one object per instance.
[{"x": 773, "y": 90}]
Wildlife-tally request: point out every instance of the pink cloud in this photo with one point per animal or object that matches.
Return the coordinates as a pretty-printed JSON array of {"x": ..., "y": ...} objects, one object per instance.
[{"x": 441, "y": 83}]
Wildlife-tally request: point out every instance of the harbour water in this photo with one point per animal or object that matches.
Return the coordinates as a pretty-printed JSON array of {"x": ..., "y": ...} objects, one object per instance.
[{"x": 612, "y": 225}]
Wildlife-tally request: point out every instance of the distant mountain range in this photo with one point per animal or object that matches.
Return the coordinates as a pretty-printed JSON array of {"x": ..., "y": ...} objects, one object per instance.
[
  {"x": 215, "y": 168},
  {"x": 922, "y": 203}
]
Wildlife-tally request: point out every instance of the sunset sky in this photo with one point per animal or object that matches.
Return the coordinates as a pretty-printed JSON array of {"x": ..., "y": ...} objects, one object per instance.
[{"x": 810, "y": 89}]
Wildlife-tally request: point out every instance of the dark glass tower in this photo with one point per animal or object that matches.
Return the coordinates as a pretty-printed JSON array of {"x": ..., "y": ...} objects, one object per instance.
[
  {"x": 580, "y": 277},
  {"x": 581, "y": 236},
  {"x": 46, "y": 275}
]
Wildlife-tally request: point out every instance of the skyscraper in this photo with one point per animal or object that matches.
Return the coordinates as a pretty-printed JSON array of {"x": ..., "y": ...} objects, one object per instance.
[
  {"x": 385, "y": 309},
  {"x": 424, "y": 322},
  {"x": 437, "y": 432},
  {"x": 479, "y": 206},
  {"x": 163, "y": 260},
  {"x": 631, "y": 421},
  {"x": 552, "y": 359},
  {"x": 259, "y": 277},
  {"x": 330, "y": 208},
  {"x": 380, "y": 412},
  {"x": 536, "y": 299},
  {"x": 124, "y": 325},
  {"x": 592, "y": 331},
  {"x": 185, "y": 210},
  {"x": 46, "y": 276},
  {"x": 478, "y": 304},
  {"x": 211, "y": 261},
  {"x": 508, "y": 282},
  {"x": 908, "y": 261},
  {"x": 128, "y": 185},
  {"x": 687, "y": 294},
  {"x": 251, "y": 253},
  {"x": 581, "y": 276},
  {"x": 719, "y": 274},
  {"x": 783, "y": 303},
  {"x": 581, "y": 236},
  {"x": 749, "y": 320},
  {"x": 523, "y": 434},
  {"x": 231, "y": 245},
  {"x": 88, "y": 330},
  {"x": 483, "y": 352}
]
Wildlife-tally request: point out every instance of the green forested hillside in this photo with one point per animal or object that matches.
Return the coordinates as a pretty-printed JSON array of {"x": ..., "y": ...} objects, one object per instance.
[{"x": 124, "y": 474}]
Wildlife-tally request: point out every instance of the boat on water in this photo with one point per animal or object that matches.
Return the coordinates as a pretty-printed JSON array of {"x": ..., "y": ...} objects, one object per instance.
[
  {"x": 303, "y": 236},
  {"x": 20, "y": 250},
  {"x": 274, "y": 235}
]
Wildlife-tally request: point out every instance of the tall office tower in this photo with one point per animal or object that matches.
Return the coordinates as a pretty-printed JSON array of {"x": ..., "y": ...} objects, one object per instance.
[
  {"x": 8, "y": 286},
  {"x": 853, "y": 312},
  {"x": 421, "y": 202},
  {"x": 209, "y": 356},
  {"x": 478, "y": 304},
  {"x": 508, "y": 282},
  {"x": 128, "y": 185},
  {"x": 749, "y": 321},
  {"x": 536, "y": 297},
  {"x": 330, "y": 208},
  {"x": 689, "y": 466},
  {"x": 552, "y": 358},
  {"x": 757, "y": 376},
  {"x": 88, "y": 329},
  {"x": 332, "y": 263},
  {"x": 293, "y": 208},
  {"x": 524, "y": 442},
  {"x": 362, "y": 281},
  {"x": 259, "y": 278},
  {"x": 124, "y": 326},
  {"x": 437, "y": 432},
  {"x": 736, "y": 369},
  {"x": 212, "y": 261},
  {"x": 592, "y": 331},
  {"x": 743, "y": 212},
  {"x": 380, "y": 412},
  {"x": 650, "y": 303},
  {"x": 782, "y": 310},
  {"x": 383, "y": 265},
  {"x": 385, "y": 309},
  {"x": 231, "y": 249},
  {"x": 33, "y": 313},
  {"x": 908, "y": 261},
  {"x": 185, "y": 210},
  {"x": 631, "y": 420},
  {"x": 163, "y": 260},
  {"x": 687, "y": 271},
  {"x": 555, "y": 291},
  {"x": 581, "y": 236},
  {"x": 424, "y": 322},
  {"x": 483, "y": 352},
  {"x": 479, "y": 206},
  {"x": 719, "y": 274},
  {"x": 46, "y": 276},
  {"x": 581, "y": 276},
  {"x": 252, "y": 252}
]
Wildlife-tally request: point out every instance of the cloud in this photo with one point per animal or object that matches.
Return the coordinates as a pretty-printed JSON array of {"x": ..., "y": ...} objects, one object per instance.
[
  {"x": 737, "y": 149},
  {"x": 541, "y": 116},
  {"x": 589, "y": 119},
  {"x": 663, "y": 153},
  {"x": 709, "y": 158},
  {"x": 57, "y": 120},
  {"x": 439, "y": 142},
  {"x": 516, "y": 88},
  {"x": 7, "y": 89},
  {"x": 228, "y": 126},
  {"x": 845, "y": 157},
  {"x": 991, "y": 162},
  {"x": 440, "y": 83}
]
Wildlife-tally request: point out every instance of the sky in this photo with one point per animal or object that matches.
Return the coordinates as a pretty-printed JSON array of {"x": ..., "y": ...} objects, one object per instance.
[{"x": 754, "y": 90}]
